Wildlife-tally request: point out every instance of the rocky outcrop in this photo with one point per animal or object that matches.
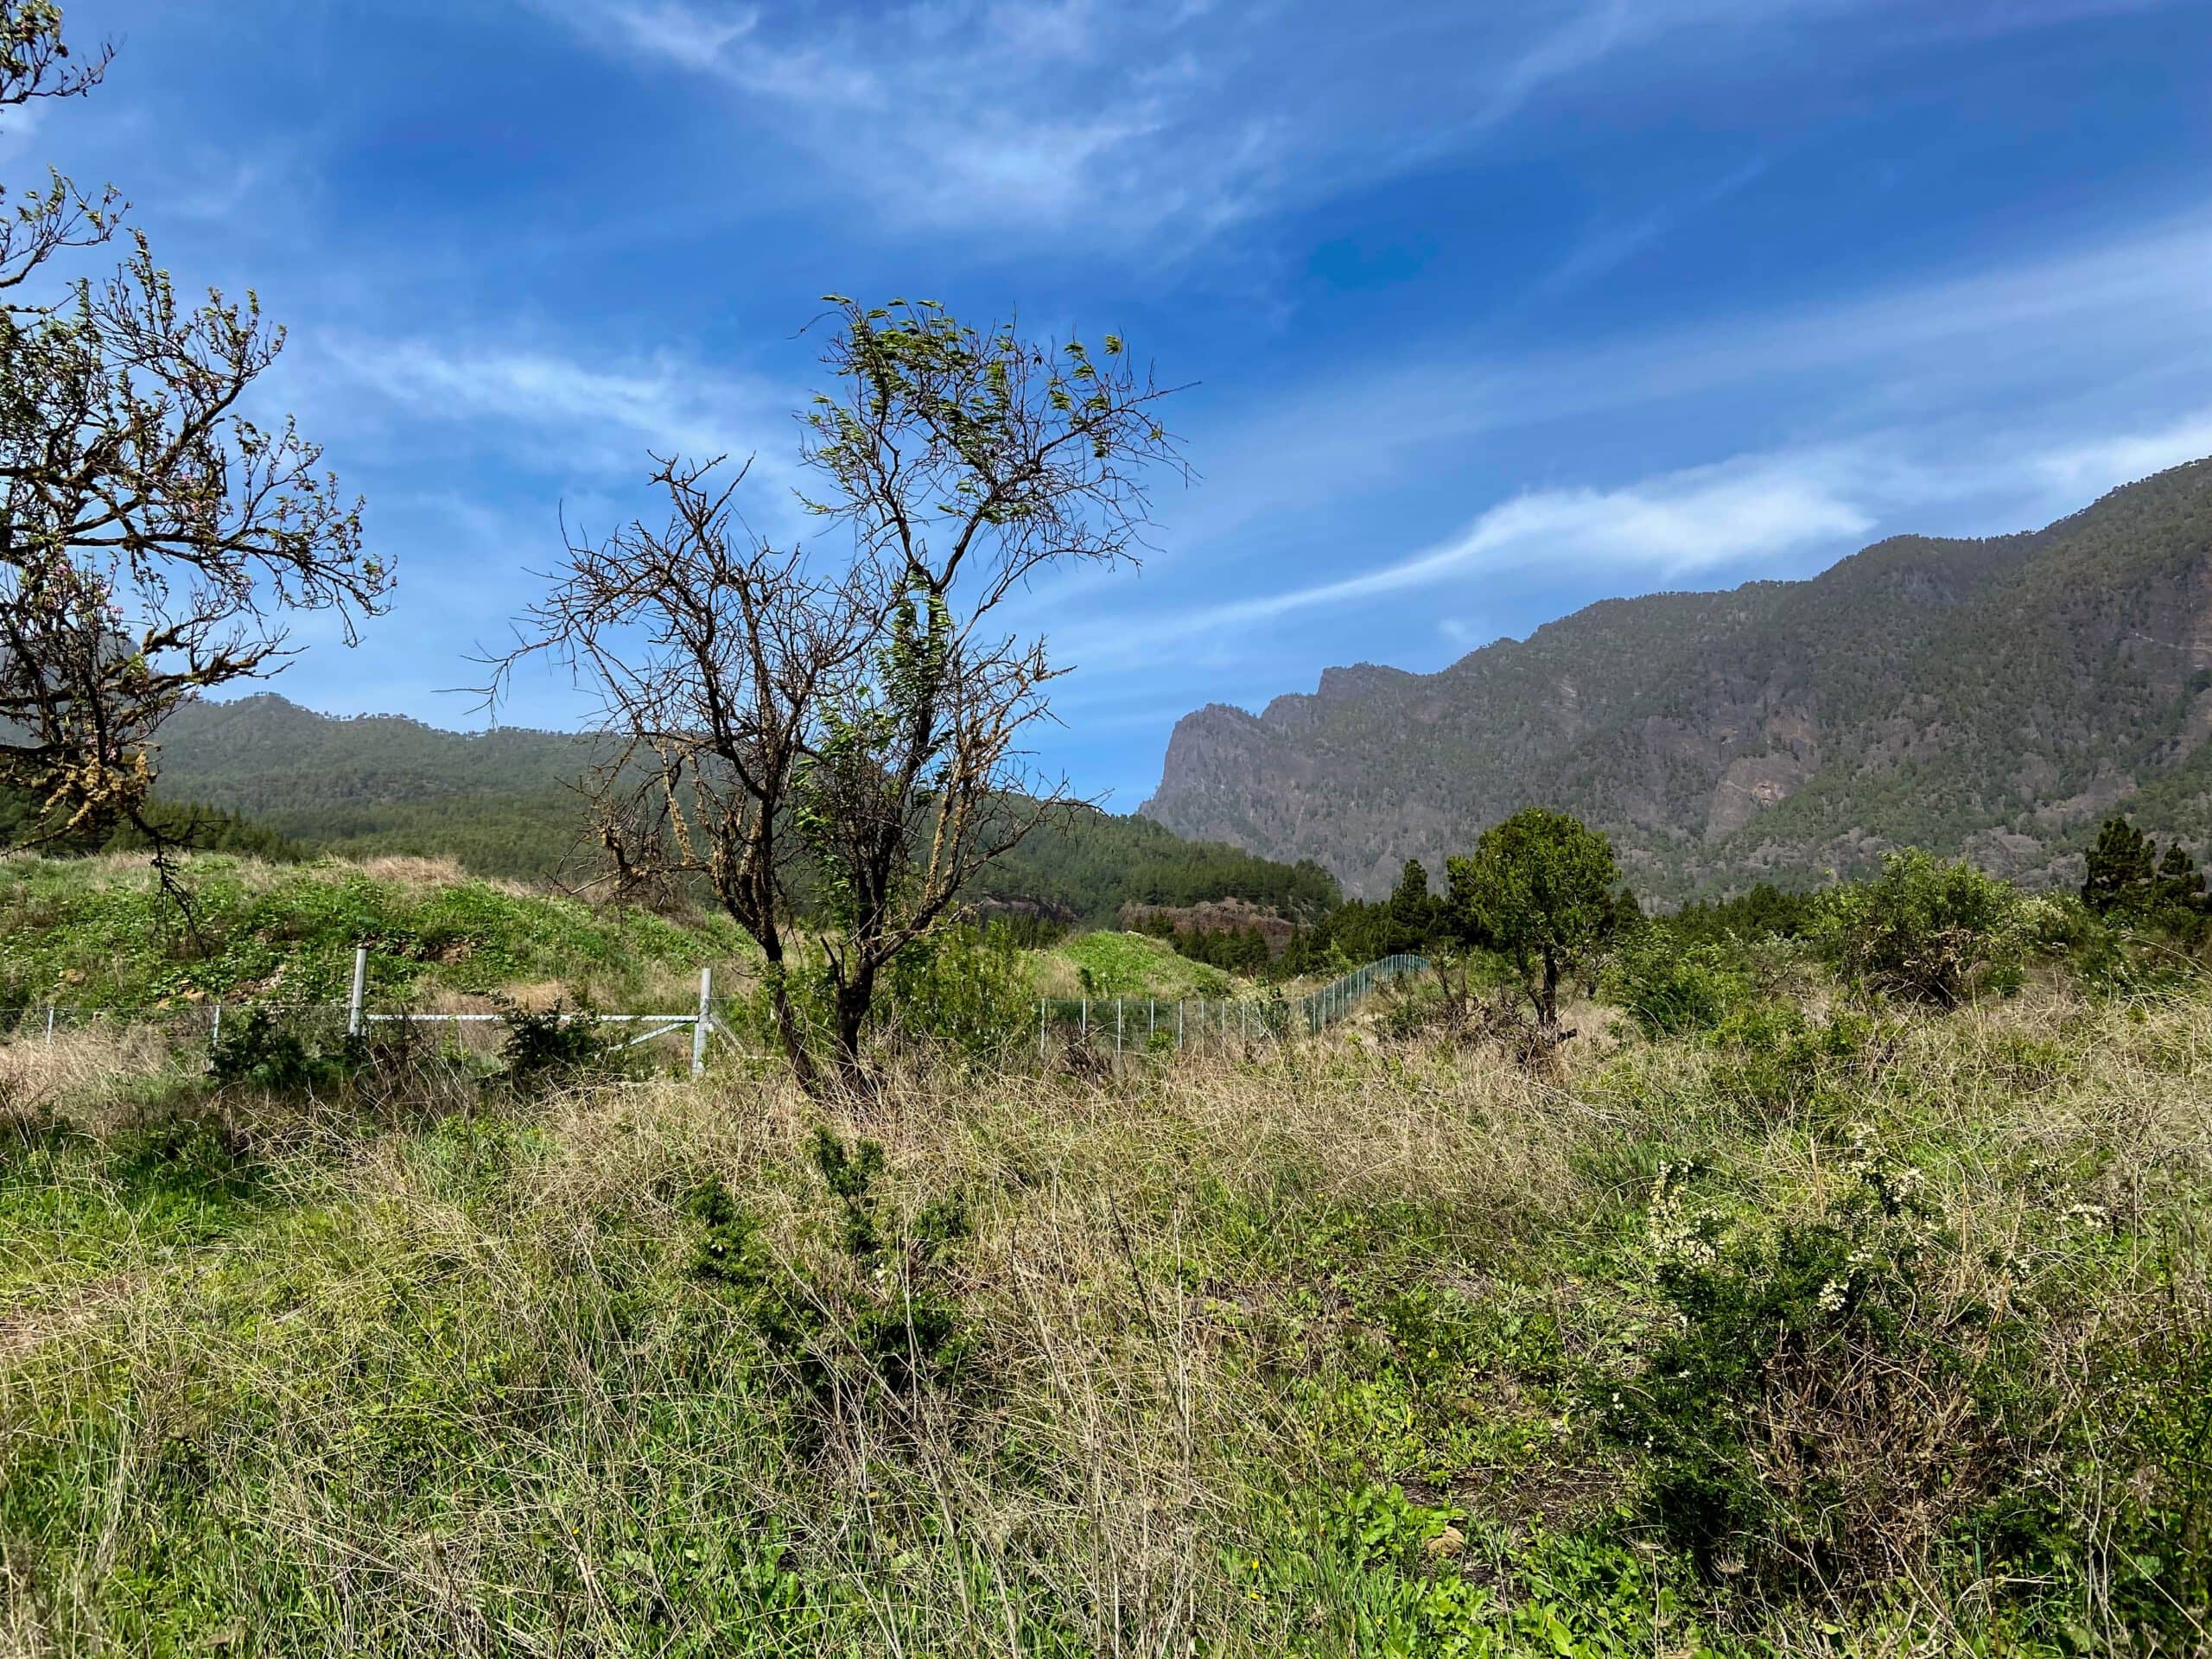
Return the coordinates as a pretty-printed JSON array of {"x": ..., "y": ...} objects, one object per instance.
[{"x": 1996, "y": 696}]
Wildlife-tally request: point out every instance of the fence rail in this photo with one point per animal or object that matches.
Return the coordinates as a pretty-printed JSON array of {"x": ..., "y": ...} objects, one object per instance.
[
  {"x": 702, "y": 1021},
  {"x": 1118, "y": 1024}
]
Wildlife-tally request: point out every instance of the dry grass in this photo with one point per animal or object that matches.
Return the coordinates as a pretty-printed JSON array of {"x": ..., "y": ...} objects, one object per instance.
[
  {"x": 81, "y": 1068},
  {"x": 458, "y": 1394}
]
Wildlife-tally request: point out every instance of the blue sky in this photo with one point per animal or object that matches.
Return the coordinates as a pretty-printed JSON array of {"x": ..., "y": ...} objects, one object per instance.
[{"x": 1493, "y": 310}]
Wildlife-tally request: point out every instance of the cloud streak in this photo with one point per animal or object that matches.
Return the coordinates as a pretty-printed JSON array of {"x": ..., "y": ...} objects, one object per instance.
[
  {"x": 553, "y": 408},
  {"x": 1672, "y": 529},
  {"x": 1171, "y": 120}
]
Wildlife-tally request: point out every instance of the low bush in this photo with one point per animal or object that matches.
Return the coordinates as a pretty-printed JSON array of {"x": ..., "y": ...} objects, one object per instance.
[
  {"x": 543, "y": 1049},
  {"x": 1925, "y": 931},
  {"x": 1772, "y": 1060},
  {"x": 966, "y": 989},
  {"x": 1823, "y": 1410},
  {"x": 1670, "y": 990},
  {"x": 867, "y": 1315},
  {"x": 267, "y": 1052}
]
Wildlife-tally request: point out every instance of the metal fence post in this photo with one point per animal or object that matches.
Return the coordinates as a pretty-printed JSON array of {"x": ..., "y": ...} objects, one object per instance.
[
  {"x": 49, "y": 1024},
  {"x": 215, "y": 1026},
  {"x": 1040, "y": 1028},
  {"x": 360, "y": 990},
  {"x": 699, "y": 1025},
  {"x": 1117, "y": 1026}
]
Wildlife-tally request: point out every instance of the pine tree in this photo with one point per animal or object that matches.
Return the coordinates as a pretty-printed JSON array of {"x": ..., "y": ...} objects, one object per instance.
[
  {"x": 2180, "y": 886},
  {"x": 2121, "y": 875},
  {"x": 1411, "y": 917}
]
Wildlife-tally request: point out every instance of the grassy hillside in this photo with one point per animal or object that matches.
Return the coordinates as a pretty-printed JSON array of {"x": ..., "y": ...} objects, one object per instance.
[
  {"x": 504, "y": 804},
  {"x": 1125, "y": 964},
  {"x": 1835, "y": 1329},
  {"x": 97, "y": 932}
]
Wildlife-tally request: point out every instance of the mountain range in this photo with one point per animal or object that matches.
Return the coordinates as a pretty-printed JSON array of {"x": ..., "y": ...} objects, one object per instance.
[
  {"x": 504, "y": 803},
  {"x": 1994, "y": 698}
]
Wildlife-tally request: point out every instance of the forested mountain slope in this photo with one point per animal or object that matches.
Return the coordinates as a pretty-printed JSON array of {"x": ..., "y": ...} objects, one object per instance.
[
  {"x": 503, "y": 802},
  {"x": 1993, "y": 697}
]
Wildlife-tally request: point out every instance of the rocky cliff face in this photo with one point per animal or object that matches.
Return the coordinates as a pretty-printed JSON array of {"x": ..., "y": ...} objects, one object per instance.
[{"x": 1995, "y": 697}]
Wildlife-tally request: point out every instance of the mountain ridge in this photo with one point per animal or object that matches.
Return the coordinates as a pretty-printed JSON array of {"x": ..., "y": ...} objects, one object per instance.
[
  {"x": 503, "y": 802},
  {"x": 1990, "y": 696}
]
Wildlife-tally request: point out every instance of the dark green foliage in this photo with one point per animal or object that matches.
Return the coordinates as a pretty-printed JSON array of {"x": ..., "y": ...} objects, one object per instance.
[
  {"x": 184, "y": 823},
  {"x": 1924, "y": 929},
  {"x": 1765, "y": 912},
  {"x": 547, "y": 1047},
  {"x": 1411, "y": 921},
  {"x": 879, "y": 1318},
  {"x": 2122, "y": 874},
  {"x": 1415, "y": 914},
  {"x": 1539, "y": 889},
  {"x": 1790, "y": 1342},
  {"x": 1233, "y": 950},
  {"x": 263, "y": 1050},
  {"x": 2128, "y": 880}
]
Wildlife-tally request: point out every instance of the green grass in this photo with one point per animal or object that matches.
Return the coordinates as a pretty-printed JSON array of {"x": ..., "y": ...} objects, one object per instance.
[
  {"x": 97, "y": 933},
  {"x": 1307, "y": 1355},
  {"x": 1126, "y": 964}
]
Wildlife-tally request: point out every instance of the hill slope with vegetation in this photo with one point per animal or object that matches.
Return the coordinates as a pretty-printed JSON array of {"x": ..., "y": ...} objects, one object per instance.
[
  {"x": 1791, "y": 1310},
  {"x": 1995, "y": 698},
  {"x": 99, "y": 933},
  {"x": 503, "y": 803}
]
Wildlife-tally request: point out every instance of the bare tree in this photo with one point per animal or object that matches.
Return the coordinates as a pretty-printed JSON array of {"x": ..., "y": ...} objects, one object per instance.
[
  {"x": 153, "y": 538},
  {"x": 835, "y": 743}
]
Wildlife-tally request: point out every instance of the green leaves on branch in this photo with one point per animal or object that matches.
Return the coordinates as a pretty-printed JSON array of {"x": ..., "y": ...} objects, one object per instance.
[{"x": 1539, "y": 889}]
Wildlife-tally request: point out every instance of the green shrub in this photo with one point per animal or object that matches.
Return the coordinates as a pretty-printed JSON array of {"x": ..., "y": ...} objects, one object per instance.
[
  {"x": 263, "y": 1050},
  {"x": 1770, "y": 1059},
  {"x": 1925, "y": 931},
  {"x": 877, "y": 1318},
  {"x": 1670, "y": 991},
  {"x": 1808, "y": 1415},
  {"x": 966, "y": 989},
  {"x": 545, "y": 1048}
]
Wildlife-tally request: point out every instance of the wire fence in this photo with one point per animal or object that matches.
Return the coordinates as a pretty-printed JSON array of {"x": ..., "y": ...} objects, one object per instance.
[
  {"x": 1146, "y": 1024},
  {"x": 1105, "y": 1025}
]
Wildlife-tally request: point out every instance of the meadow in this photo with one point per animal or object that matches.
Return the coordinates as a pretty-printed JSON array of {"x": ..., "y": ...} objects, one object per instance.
[{"x": 1787, "y": 1318}]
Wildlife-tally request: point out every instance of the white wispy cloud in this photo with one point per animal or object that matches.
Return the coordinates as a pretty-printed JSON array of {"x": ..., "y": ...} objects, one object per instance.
[
  {"x": 1673, "y": 525},
  {"x": 2101, "y": 463},
  {"x": 1168, "y": 120},
  {"x": 693, "y": 39},
  {"x": 558, "y": 410},
  {"x": 1673, "y": 529}
]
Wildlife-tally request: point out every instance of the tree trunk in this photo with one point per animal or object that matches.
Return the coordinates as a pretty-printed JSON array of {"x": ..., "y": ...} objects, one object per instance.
[
  {"x": 853, "y": 1002},
  {"x": 804, "y": 1069},
  {"x": 1548, "y": 998}
]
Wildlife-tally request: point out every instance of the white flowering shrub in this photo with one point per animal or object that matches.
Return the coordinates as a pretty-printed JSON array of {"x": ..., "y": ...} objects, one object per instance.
[{"x": 1807, "y": 1392}]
